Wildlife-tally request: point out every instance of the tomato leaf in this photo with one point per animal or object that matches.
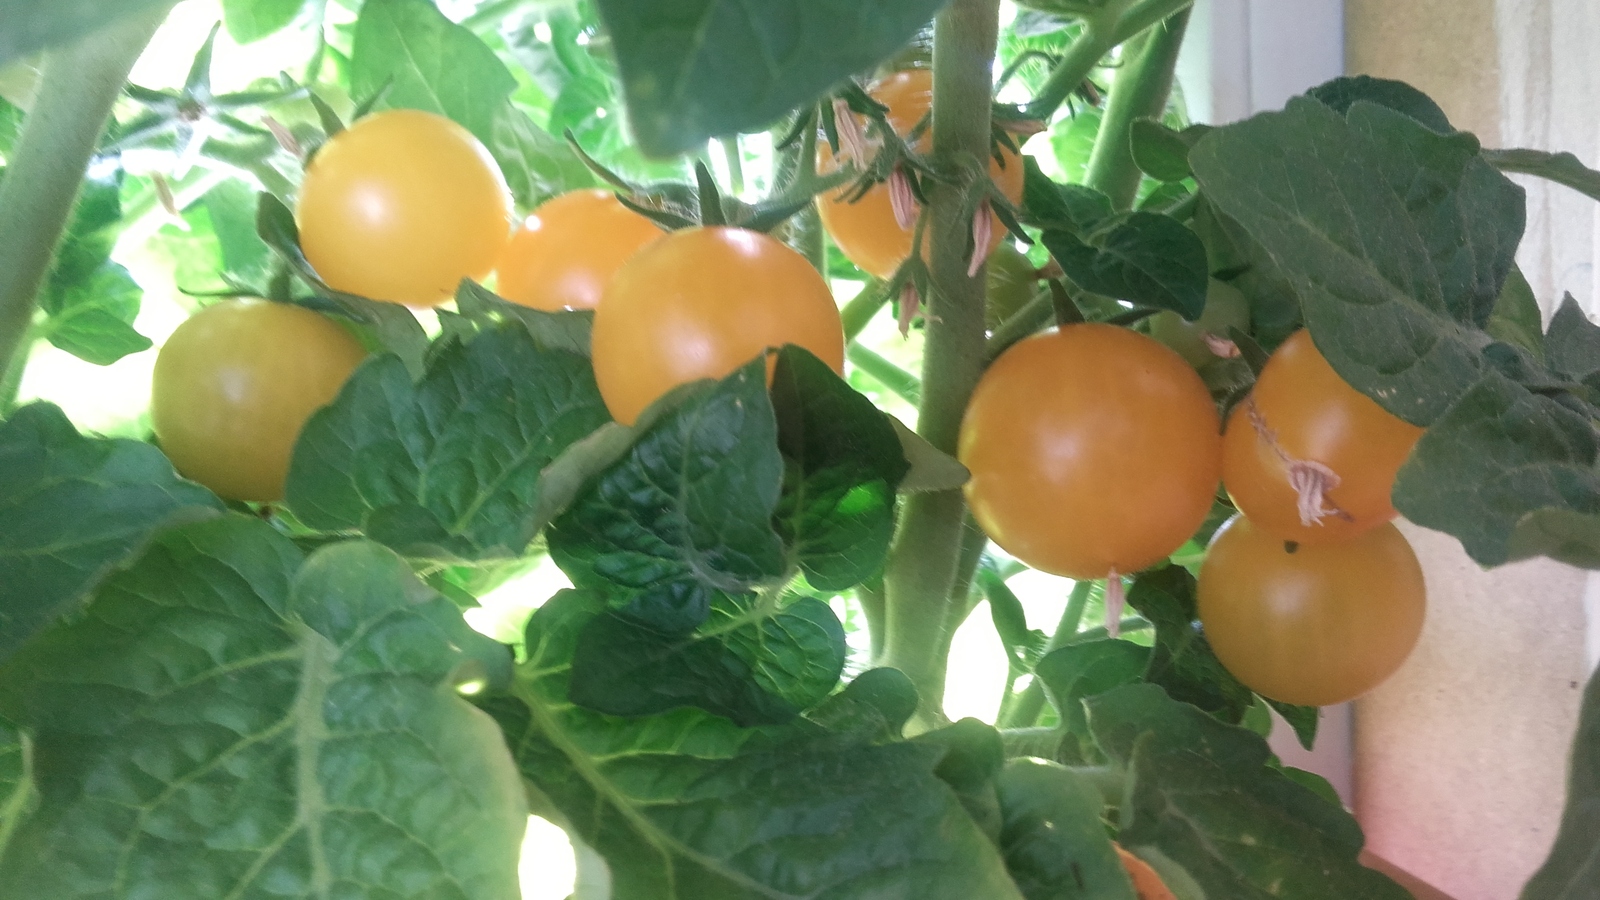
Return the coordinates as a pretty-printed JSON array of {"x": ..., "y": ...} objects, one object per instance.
[
  {"x": 285, "y": 720},
  {"x": 428, "y": 63},
  {"x": 1509, "y": 472},
  {"x": 785, "y": 812},
  {"x": 874, "y": 707},
  {"x": 696, "y": 69},
  {"x": 688, "y": 511},
  {"x": 567, "y": 331},
  {"x": 1572, "y": 345},
  {"x": 1053, "y": 838},
  {"x": 1146, "y": 258},
  {"x": 1397, "y": 240},
  {"x": 448, "y": 468},
  {"x": 1063, "y": 207},
  {"x": 31, "y": 26},
  {"x": 1078, "y": 671},
  {"x": 1204, "y": 809},
  {"x": 1573, "y": 866},
  {"x": 16, "y": 778},
  {"x": 754, "y": 661},
  {"x": 1517, "y": 319},
  {"x": 252, "y": 20},
  {"x": 89, "y": 301},
  {"x": 836, "y": 512},
  {"x": 1181, "y": 661},
  {"x": 1561, "y": 168},
  {"x": 72, "y": 510},
  {"x": 1342, "y": 93},
  {"x": 1162, "y": 152},
  {"x": 537, "y": 164},
  {"x": 1245, "y": 265}
]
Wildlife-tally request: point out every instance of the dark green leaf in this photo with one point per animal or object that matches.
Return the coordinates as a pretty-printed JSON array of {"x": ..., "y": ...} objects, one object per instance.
[
  {"x": 1162, "y": 152},
  {"x": 1572, "y": 345},
  {"x": 1145, "y": 258},
  {"x": 228, "y": 719},
  {"x": 1517, "y": 319},
  {"x": 1181, "y": 661},
  {"x": 231, "y": 208},
  {"x": 17, "y": 795},
  {"x": 1062, "y": 207},
  {"x": 1022, "y": 644},
  {"x": 1397, "y": 240},
  {"x": 536, "y": 164},
  {"x": 753, "y": 661},
  {"x": 94, "y": 317},
  {"x": 1238, "y": 259},
  {"x": 696, "y": 69},
  {"x": 1562, "y": 168},
  {"x": 1054, "y": 841},
  {"x": 874, "y": 707},
  {"x": 27, "y": 26},
  {"x": 1082, "y": 670},
  {"x": 1509, "y": 472},
  {"x": 567, "y": 331},
  {"x": 837, "y": 508},
  {"x": 1342, "y": 93},
  {"x": 1203, "y": 807},
  {"x": 1573, "y": 867},
  {"x": 428, "y": 63},
  {"x": 448, "y": 468},
  {"x": 973, "y": 755},
  {"x": 687, "y": 806},
  {"x": 252, "y": 20},
  {"x": 73, "y": 510},
  {"x": 688, "y": 511},
  {"x": 10, "y": 126},
  {"x": 1303, "y": 719}
]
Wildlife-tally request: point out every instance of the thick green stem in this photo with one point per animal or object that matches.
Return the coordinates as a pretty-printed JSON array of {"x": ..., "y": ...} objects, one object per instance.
[
  {"x": 902, "y": 383},
  {"x": 862, "y": 308},
  {"x": 923, "y": 562},
  {"x": 1140, "y": 90},
  {"x": 1022, "y": 710},
  {"x": 1117, "y": 22},
  {"x": 78, "y": 84}
]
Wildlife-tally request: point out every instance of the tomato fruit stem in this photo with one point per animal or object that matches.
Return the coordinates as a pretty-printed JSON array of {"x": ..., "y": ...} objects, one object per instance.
[{"x": 77, "y": 87}]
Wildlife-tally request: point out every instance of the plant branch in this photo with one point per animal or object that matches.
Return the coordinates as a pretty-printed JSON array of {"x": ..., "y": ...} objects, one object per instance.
[
  {"x": 78, "y": 85},
  {"x": 1140, "y": 90},
  {"x": 923, "y": 561},
  {"x": 902, "y": 383},
  {"x": 1116, "y": 23}
]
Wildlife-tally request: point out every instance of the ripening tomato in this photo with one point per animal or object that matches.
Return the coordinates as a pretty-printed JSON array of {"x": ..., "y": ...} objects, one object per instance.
[
  {"x": 1311, "y": 624},
  {"x": 1225, "y": 308},
  {"x": 1092, "y": 449},
  {"x": 568, "y": 249},
  {"x": 401, "y": 206},
  {"x": 700, "y": 303},
  {"x": 1147, "y": 885},
  {"x": 1301, "y": 410},
  {"x": 235, "y": 383},
  {"x": 866, "y": 231}
]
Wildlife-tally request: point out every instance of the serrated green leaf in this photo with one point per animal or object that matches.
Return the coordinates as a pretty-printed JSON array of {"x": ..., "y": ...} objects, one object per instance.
[
  {"x": 1509, "y": 472},
  {"x": 1303, "y": 719},
  {"x": 1517, "y": 319},
  {"x": 837, "y": 508},
  {"x": 231, "y": 719},
  {"x": 972, "y": 756},
  {"x": 1082, "y": 670},
  {"x": 1342, "y": 93},
  {"x": 1181, "y": 660},
  {"x": 1207, "y": 812},
  {"x": 1145, "y": 258},
  {"x": 567, "y": 330},
  {"x": 30, "y": 26},
  {"x": 755, "y": 662},
  {"x": 1250, "y": 269},
  {"x": 537, "y": 165},
  {"x": 447, "y": 468},
  {"x": 1397, "y": 240},
  {"x": 688, "y": 511},
  {"x": 1061, "y": 207},
  {"x": 73, "y": 510},
  {"x": 874, "y": 707},
  {"x": 1054, "y": 841},
  {"x": 231, "y": 208},
  {"x": 688, "y": 806},
  {"x": 94, "y": 316},
  {"x": 1573, "y": 867},
  {"x": 1572, "y": 345},
  {"x": 1162, "y": 152},
  {"x": 252, "y": 20}
]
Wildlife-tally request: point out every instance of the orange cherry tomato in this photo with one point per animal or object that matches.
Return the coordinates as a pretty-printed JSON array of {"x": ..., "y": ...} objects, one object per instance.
[
  {"x": 1300, "y": 409},
  {"x": 401, "y": 206},
  {"x": 568, "y": 248},
  {"x": 1146, "y": 883},
  {"x": 1092, "y": 449},
  {"x": 700, "y": 303},
  {"x": 866, "y": 231},
  {"x": 234, "y": 384},
  {"x": 1311, "y": 624}
]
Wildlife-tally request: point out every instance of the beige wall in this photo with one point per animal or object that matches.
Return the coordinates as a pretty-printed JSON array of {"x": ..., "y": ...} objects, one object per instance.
[{"x": 1461, "y": 758}]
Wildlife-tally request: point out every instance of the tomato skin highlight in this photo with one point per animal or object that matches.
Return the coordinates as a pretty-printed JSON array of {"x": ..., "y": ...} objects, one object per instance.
[
  {"x": 866, "y": 231},
  {"x": 1092, "y": 448},
  {"x": 1320, "y": 625},
  {"x": 1313, "y": 415},
  {"x": 700, "y": 303},
  {"x": 401, "y": 206},
  {"x": 568, "y": 249},
  {"x": 235, "y": 383}
]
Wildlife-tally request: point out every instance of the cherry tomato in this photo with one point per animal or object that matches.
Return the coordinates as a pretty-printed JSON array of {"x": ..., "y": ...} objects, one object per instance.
[
  {"x": 1012, "y": 282},
  {"x": 1311, "y": 624},
  {"x": 568, "y": 249},
  {"x": 1225, "y": 308},
  {"x": 700, "y": 303},
  {"x": 401, "y": 206},
  {"x": 1147, "y": 885},
  {"x": 234, "y": 384},
  {"x": 866, "y": 231},
  {"x": 1092, "y": 449},
  {"x": 1311, "y": 414}
]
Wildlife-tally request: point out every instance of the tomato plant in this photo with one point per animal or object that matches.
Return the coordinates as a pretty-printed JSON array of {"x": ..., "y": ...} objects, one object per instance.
[
  {"x": 1301, "y": 411},
  {"x": 865, "y": 228},
  {"x": 235, "y": 383},
  {"x": 401, "y": 206},
  {"x": 1225, "y": 308},
  {"x": 701, "y": 302},
  {"x": 566, "y": 251},
  {"x": 1092, "y": 450},
  {"x": 1313, "y": 624}
]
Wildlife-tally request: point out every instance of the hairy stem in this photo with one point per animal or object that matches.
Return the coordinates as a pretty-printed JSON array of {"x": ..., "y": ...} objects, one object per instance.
[
  {"x": 1117, "y": 22},
  {"x": 1140, "y": 90},
  {"x": 923, "y": 561},
  {"x": 78, "y": 84}
]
